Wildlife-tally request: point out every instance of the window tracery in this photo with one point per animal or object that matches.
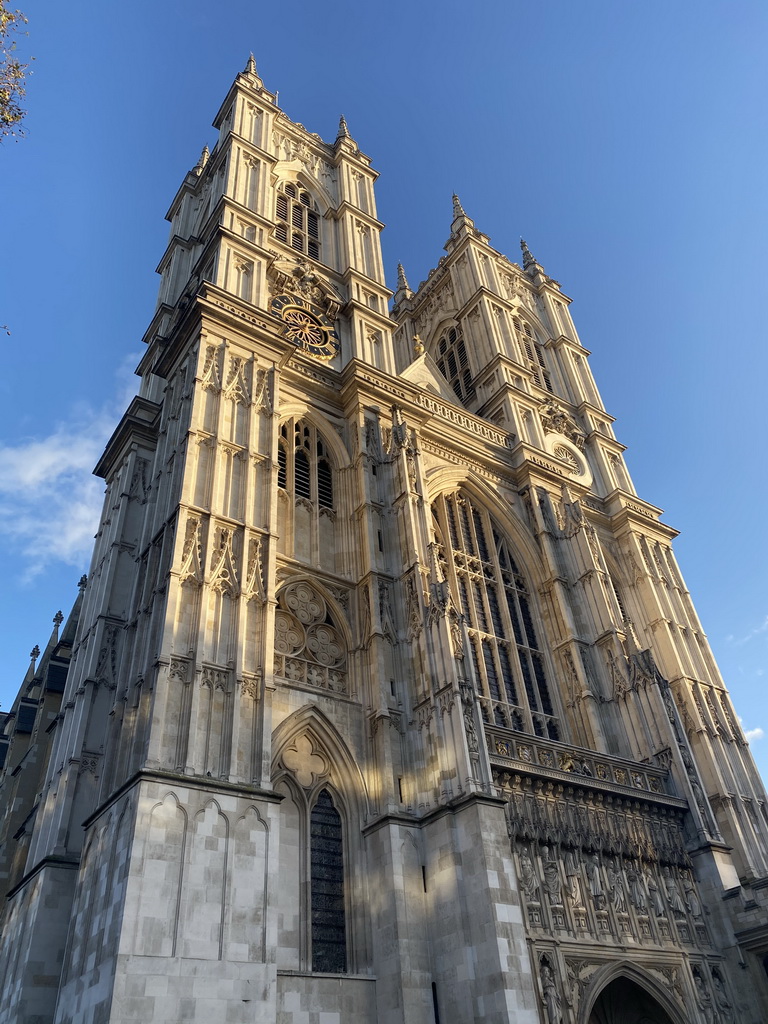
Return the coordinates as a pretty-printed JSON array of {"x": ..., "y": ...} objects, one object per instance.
[
  {"x": 297, "y": 219},
  {"x": 309, "y": 648},
  {"x": 305, "y": 480},
  {"x": 492, "y": 594}
]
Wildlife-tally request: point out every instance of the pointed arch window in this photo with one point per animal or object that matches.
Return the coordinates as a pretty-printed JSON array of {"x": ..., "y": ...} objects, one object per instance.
[
  {"x": 533, "y": 352},
  {"x": 297, "y": 219},
  {"x": 492, "y": 594},
  {"x": 329, "y": 930},
  {"x": 307, "y": 488},
  {"x": 303, "y": 463},
  {"x": 453, "y": 361}
]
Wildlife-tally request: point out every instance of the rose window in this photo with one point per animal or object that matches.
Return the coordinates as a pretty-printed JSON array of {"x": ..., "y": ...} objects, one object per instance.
[{"x": 309, "y": 649}]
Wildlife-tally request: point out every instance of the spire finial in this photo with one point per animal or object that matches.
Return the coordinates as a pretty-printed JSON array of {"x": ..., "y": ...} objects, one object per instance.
[
  {"x": 528, "y": 257},
  {"x": 58, "y": 618},
  {"x": 202, "y": 161},
  {"x": 402, "y": 280},
  {"x": 82, "y": 583},
  {"x": 34, "y": 653},
  {"x": 458, "y": 209},
  {"x": 343, "y": 132},
  {"x": 250, "y": 67}
]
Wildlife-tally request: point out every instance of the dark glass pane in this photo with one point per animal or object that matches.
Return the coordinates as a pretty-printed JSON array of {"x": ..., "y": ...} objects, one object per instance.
[
  {"x": 529, "y": 630},
  {"x": 490, "y": 671},
  {"x": 281, "y": 233},
  {"x": 506, "y": 674},
  {"x": 512, "y": 605},
  {"x": 282, "y": 208},
  {"x": 298, "y": 243},
  {"x": 480, "y": 534},
  {"x": 469, "y": 544},
  {"x": 297, "y": 217},
  {"x": 525, "y": 668},
  {"x": 329, "y": 939},
  {"x": 482, "y": 618},
  {"x": 305, "y": 199},
  {"x": 541, "y": 679},
  {"x": 493, "y": 604},
  {"x": 313, "y": 249},
  {"x": 290, "y": 190},
  {"x": 312, "y": 225},
  {"x": 452, "y": 523},
  {"x": 282, "y": 467}
]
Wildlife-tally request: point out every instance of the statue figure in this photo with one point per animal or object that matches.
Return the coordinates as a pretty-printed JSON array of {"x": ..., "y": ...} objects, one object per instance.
[
  {"x": 617, "y": 895},
  {"x": 552, "y": 884},
  {"x": 637, "y": 895},
  {"x": 692, "y": 900},
  {"x": 572, "y": 878},
  {"x": 595, "y": 881},
  {"x": 673, "y": 893},
  {"x": 552, "y": 1002},
  {"x": 528, "y": 879}
]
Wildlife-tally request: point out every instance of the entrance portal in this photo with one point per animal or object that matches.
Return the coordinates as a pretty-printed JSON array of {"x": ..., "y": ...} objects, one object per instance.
[{"x": 624, "y": 1002}]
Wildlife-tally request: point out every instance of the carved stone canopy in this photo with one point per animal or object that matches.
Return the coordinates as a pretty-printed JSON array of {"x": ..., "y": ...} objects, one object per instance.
[{"x": 299, "y": 277}]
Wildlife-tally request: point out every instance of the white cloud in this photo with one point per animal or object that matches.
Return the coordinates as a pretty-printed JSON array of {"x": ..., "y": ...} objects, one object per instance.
[
  {"x": 754, "y": 734},
  {"x": 49, "y": 500},
  {"x": 757, "y": 631}
]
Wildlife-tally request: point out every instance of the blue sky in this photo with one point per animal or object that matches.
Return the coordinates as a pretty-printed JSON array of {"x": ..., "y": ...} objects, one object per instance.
[{"x": 625, "y": 141}]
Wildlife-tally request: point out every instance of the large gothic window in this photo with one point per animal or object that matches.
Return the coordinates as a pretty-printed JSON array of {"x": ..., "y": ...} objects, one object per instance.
[
  {"x": 297, "y": 219},
  {"x": 493, "y": 597},
  {"x": 305, "y": 479},
  {"x": 329, "y": 933},
  {"x": 453, "y": 361}
]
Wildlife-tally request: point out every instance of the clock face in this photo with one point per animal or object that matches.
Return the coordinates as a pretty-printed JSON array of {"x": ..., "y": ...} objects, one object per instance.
[{"x": 306, "y": 326}]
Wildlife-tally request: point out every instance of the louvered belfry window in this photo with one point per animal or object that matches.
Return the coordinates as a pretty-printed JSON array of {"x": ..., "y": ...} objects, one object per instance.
[
  {"x": 297, "y": 219},
  {"x": 534, "y": 355},
  {"x": 454, "y": 365},
  {"x": 492, "y": 595},
  {"x": 303, "y": 464}
]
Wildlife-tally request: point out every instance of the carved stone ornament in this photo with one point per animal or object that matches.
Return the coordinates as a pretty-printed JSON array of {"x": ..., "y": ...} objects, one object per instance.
[
  {"x": 305, "y": 763},
  {"x": 555, "y": 420},
  {"x": 299, "y": 277}
]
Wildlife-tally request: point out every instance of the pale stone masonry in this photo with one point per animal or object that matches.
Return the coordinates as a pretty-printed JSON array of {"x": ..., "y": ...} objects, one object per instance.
[{"x": 386, "y": 702}]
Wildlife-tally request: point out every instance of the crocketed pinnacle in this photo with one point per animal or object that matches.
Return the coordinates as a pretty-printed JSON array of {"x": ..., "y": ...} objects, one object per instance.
[
  {"x": 250, "y": 67},
  {"x": 458, "y": 209},
  {"x": 402, "y": 280},
  {"x": 200, "y": 165},
  {"x": 343, "y": 132},
  {"x": 528, "y": 257}
]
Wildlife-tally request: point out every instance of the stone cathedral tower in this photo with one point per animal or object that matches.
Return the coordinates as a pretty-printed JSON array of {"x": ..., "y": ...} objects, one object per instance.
[{"x": 385, "y": 701}]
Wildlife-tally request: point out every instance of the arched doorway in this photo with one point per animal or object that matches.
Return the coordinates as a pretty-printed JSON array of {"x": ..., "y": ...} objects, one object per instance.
[{"x": 624, "y": 1002}]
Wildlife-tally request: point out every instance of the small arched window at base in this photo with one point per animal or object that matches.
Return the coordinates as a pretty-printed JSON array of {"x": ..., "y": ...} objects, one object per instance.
[{"x": 329, "y": 931}]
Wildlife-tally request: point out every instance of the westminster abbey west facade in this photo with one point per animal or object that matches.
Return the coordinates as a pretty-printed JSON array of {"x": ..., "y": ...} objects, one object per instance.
[{"x": 385, "y": 701}]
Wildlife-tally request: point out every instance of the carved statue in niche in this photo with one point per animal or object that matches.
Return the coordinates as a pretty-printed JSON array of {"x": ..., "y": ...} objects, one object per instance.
[
  {"x": 637, "y": 895},
  {"x": 617, "y": 895},
  {"x": 673, "y": 893},
  {"x": 721, "y": 998},
  {"x": 552, "y": 884},
  {"x": 553, "y": 1003},
  {"x": 691, "y": 896},
  {"x": 703, "y": 998},
  {"x": 595, "y": 881},
  {"x": 528, "y": 880},
  {"x": 657, "y": 900},
  {"x": 572, "y": 878}
]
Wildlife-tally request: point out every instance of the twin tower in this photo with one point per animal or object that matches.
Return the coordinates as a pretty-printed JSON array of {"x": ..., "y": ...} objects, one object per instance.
[{"x": 383, "y": 701}]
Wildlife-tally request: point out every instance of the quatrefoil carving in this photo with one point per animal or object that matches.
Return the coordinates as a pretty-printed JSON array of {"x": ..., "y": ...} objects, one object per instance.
[{"x": 305, "y": 763}]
